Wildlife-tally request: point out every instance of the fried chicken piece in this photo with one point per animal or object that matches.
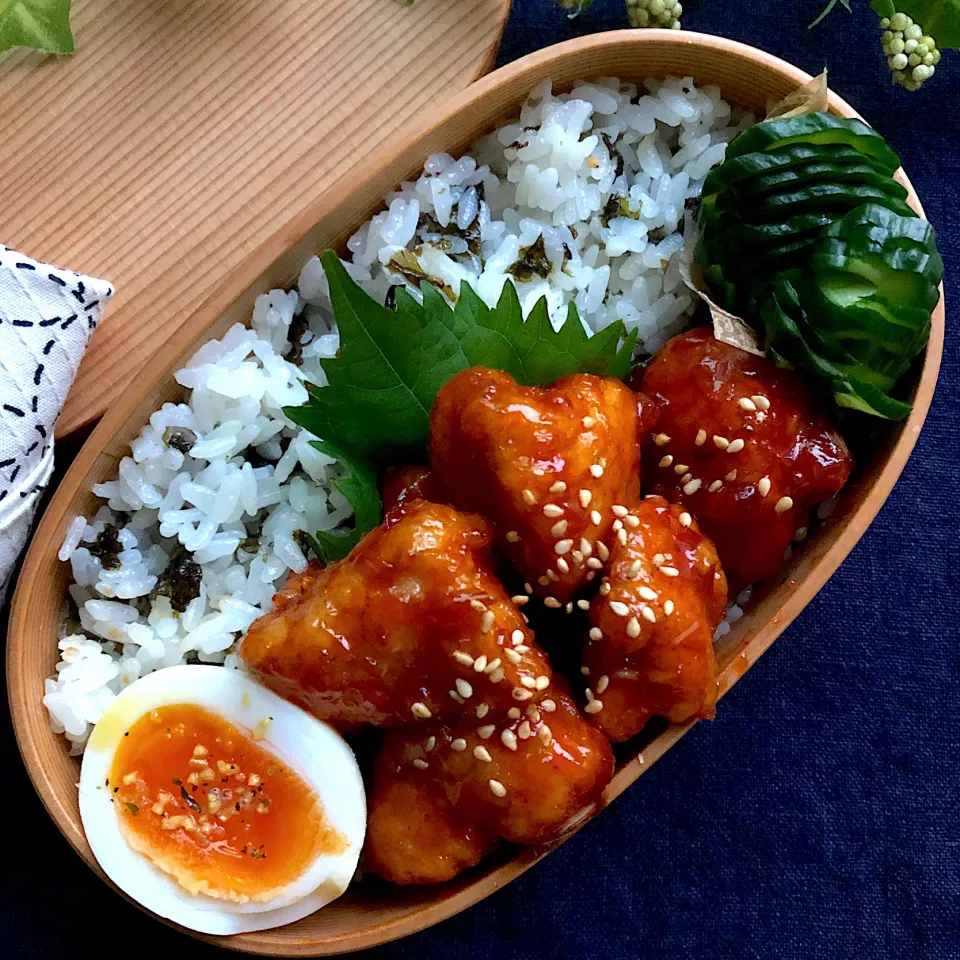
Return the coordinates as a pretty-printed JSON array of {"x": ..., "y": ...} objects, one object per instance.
[
  {"x": 411, "y": 625},
  {"x": 413, "y": 832},
  {"x": 527, "y": 779},
  {"x": 740, "y": 443},
  {"x": 404, "y": 485},
  {"x": 544, "y": 464},
  {"x": 650, "y": 651}
]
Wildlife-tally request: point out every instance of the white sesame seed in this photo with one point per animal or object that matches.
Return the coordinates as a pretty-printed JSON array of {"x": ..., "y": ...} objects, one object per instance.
[
  {"x": 558, "y": 487},
  {"x": 543, "y": 682},
  {"x": 631, "y": 521},
  {"x": 545, "y": 734},
  {"x": 635, "y": 567},
  {"x": 516, "y": 637},
  {"x": 552, "y": 576},
  {"x": 518, "y": 693},
  {"x": 681, "y": 468},
  {"x": 715, "y": 486},
  {"x": 622, "y": 537},
  {"x": 761, "y": 416},
  {"x": 497, "y": 675},
  {"x": 482, "y": 753},
  {"x": 701, "y": 438},
  {"x": 430, "y": 744},
  {"x": 596, "y": 471},
  {"x": 497, "y": 788},
  {"x": 562, "y": 565},
  {"x": 588, "y": 693},
  {"x": 660, "y": 439},
  {"x": 523, "y": 648},
  {"x": 528, "y": 498},
  {"x": 552, "y": 511},
  {"x": 523, "y": 731},
  {"x": 801, "y": 534},
  {"x": 512, "y": 536},
  {"x": 586, "y": 547},
  {"x": 487, "y": 621},
  {"x": 617, "y": 525},
  {"x": 745, "y": 403},
  {"x": 480, "y": 663},
  {"x": 577, "y": 556},
  {"x": 462, "y": 657},
  {"x": 735, "y": 446},
  {"x": 619, "y": 510},
  {"x": 559, "y": 528},
  {"x": 670, "y": 571},
  {"x": 594, "y": 564},
  {"x": 548, "y": 705},
  {"x": 520, "y": 599},
  {"x": 478, "y": 605},
  {"x": 596, "y": 633},
  {"x": 721, "y": 442},
  {"x": 619, "y": 608},
  {"x": 731, "y": 476},
  {"x": 633, "y": 627},
  {"x": 665, "y": 461},
  {"x": 563, "y": 546},
  {"x": 583, "y": 604},
  {"x": 761, "y": 401},
  {"x": 585, "y": 671},
  {"x": 509, "y": 739},
  {"x": 568, "y": 608},
  {"x": 648, "y": 615},
  {"x": 459, "y": 745},
  {"x": 589, "y": 422},
  {"x": 514, "y": 713},
  {"x": 603, "y": 683},
  {"x": 685, "y": 519},
  {"x": 604, "y": 588},
  {"x": 528, "y": 588},
  {"x": 533, "y": 713},
  {"x": 763, "y": 486},
  {"x": 420, "y": 764},
  {"x": 552, "y": 602},
  {"x": 464, "y": 689},
  {"x": 692, "y": 486},
  {"x": 529, "y": 682},
  {"x": 486, "y": 731},
  {"x": 594, "y": 706},
  {"x": 483, "y": 710},
  {"x": 687, "y": 477},
  {"x": 585, "y": 497},
  {"x": 647, "y": 593},
  {"x": 658, "y": 559},
  {"x": 421, "y": 710},
  {"x": 595, "y": 517},
  {"x": 668, "y": 608},
  {"x": 512, "y": 655},
  {"x": 455, "y": 696},
  {"x": 784, "y": 504}
]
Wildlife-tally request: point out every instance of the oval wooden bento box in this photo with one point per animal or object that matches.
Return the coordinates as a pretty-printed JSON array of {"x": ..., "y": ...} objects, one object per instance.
[{"x": 373, "y": 912}]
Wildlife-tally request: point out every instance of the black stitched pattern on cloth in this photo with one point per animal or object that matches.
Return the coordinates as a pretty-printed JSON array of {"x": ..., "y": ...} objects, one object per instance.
[
  {"x": 37, "y": 374},
  {"x": 16, "y": 411},
  {"x": 25, "y": 266},
  {"x": 50, "y": 344},
  {"x": 49, "y": 322},
  {"x": 59, "y": 281}
]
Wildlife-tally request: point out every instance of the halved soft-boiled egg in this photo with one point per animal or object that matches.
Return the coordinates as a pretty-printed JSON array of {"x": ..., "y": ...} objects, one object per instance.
[{"x": 219, "y": 806}]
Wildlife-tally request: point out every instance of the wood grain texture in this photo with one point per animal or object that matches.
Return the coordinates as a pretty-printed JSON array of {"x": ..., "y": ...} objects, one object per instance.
[
  {"x": 373, "y": 912},
  {"x": 185, "y": 132}
]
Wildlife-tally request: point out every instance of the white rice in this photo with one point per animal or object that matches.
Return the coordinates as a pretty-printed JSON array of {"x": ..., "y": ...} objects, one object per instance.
[{"x": 556, "y": 174}]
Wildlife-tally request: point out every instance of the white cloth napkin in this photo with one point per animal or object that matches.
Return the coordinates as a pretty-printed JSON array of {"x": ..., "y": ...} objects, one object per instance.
[{"x": 46, "y": 318}]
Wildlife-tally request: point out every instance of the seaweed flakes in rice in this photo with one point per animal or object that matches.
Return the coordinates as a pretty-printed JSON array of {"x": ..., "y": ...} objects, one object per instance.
[
  {"x": 180, "y": 438},
  {"x": 533, "y": 261},
  {"x": 180, "y": 581},
  {"x": 107, "y": 547}
]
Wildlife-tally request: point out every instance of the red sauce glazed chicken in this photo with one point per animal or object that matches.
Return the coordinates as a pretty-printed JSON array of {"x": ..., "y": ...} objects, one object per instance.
[
  {"x": 741, "y": 445},
  {"x": 544, "y": 465},
  {"x": 650, "y": 647},
  {"x": 412, "y": 625}
]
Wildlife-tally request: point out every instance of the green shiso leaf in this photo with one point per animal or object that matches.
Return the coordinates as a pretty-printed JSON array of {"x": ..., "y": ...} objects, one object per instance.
[
  {"x": 392, "y": 363},
  {"x": 359, "y": 486},
  {"x": 41, "y": 24}
]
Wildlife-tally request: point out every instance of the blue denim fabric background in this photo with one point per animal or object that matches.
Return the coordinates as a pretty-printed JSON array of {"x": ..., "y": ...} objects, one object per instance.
[{"x": 819, "y": 814}]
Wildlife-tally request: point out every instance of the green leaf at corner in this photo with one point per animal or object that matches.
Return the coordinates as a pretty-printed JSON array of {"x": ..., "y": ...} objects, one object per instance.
[
  {"x": 41, "y": 24},
  {"x": 939, "y": 19},
  {"x": 359, "y": 486}
]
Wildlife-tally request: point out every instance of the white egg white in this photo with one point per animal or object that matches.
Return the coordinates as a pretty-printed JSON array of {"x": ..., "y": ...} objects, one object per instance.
[{"x": 311, "y": 748}]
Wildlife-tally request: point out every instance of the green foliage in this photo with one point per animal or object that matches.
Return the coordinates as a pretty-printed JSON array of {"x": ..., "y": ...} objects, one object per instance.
[{"x": 41, "y": 24}]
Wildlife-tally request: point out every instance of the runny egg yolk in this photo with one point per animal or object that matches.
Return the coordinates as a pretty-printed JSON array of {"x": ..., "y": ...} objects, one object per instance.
[{"x": 213, "y": 809}]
